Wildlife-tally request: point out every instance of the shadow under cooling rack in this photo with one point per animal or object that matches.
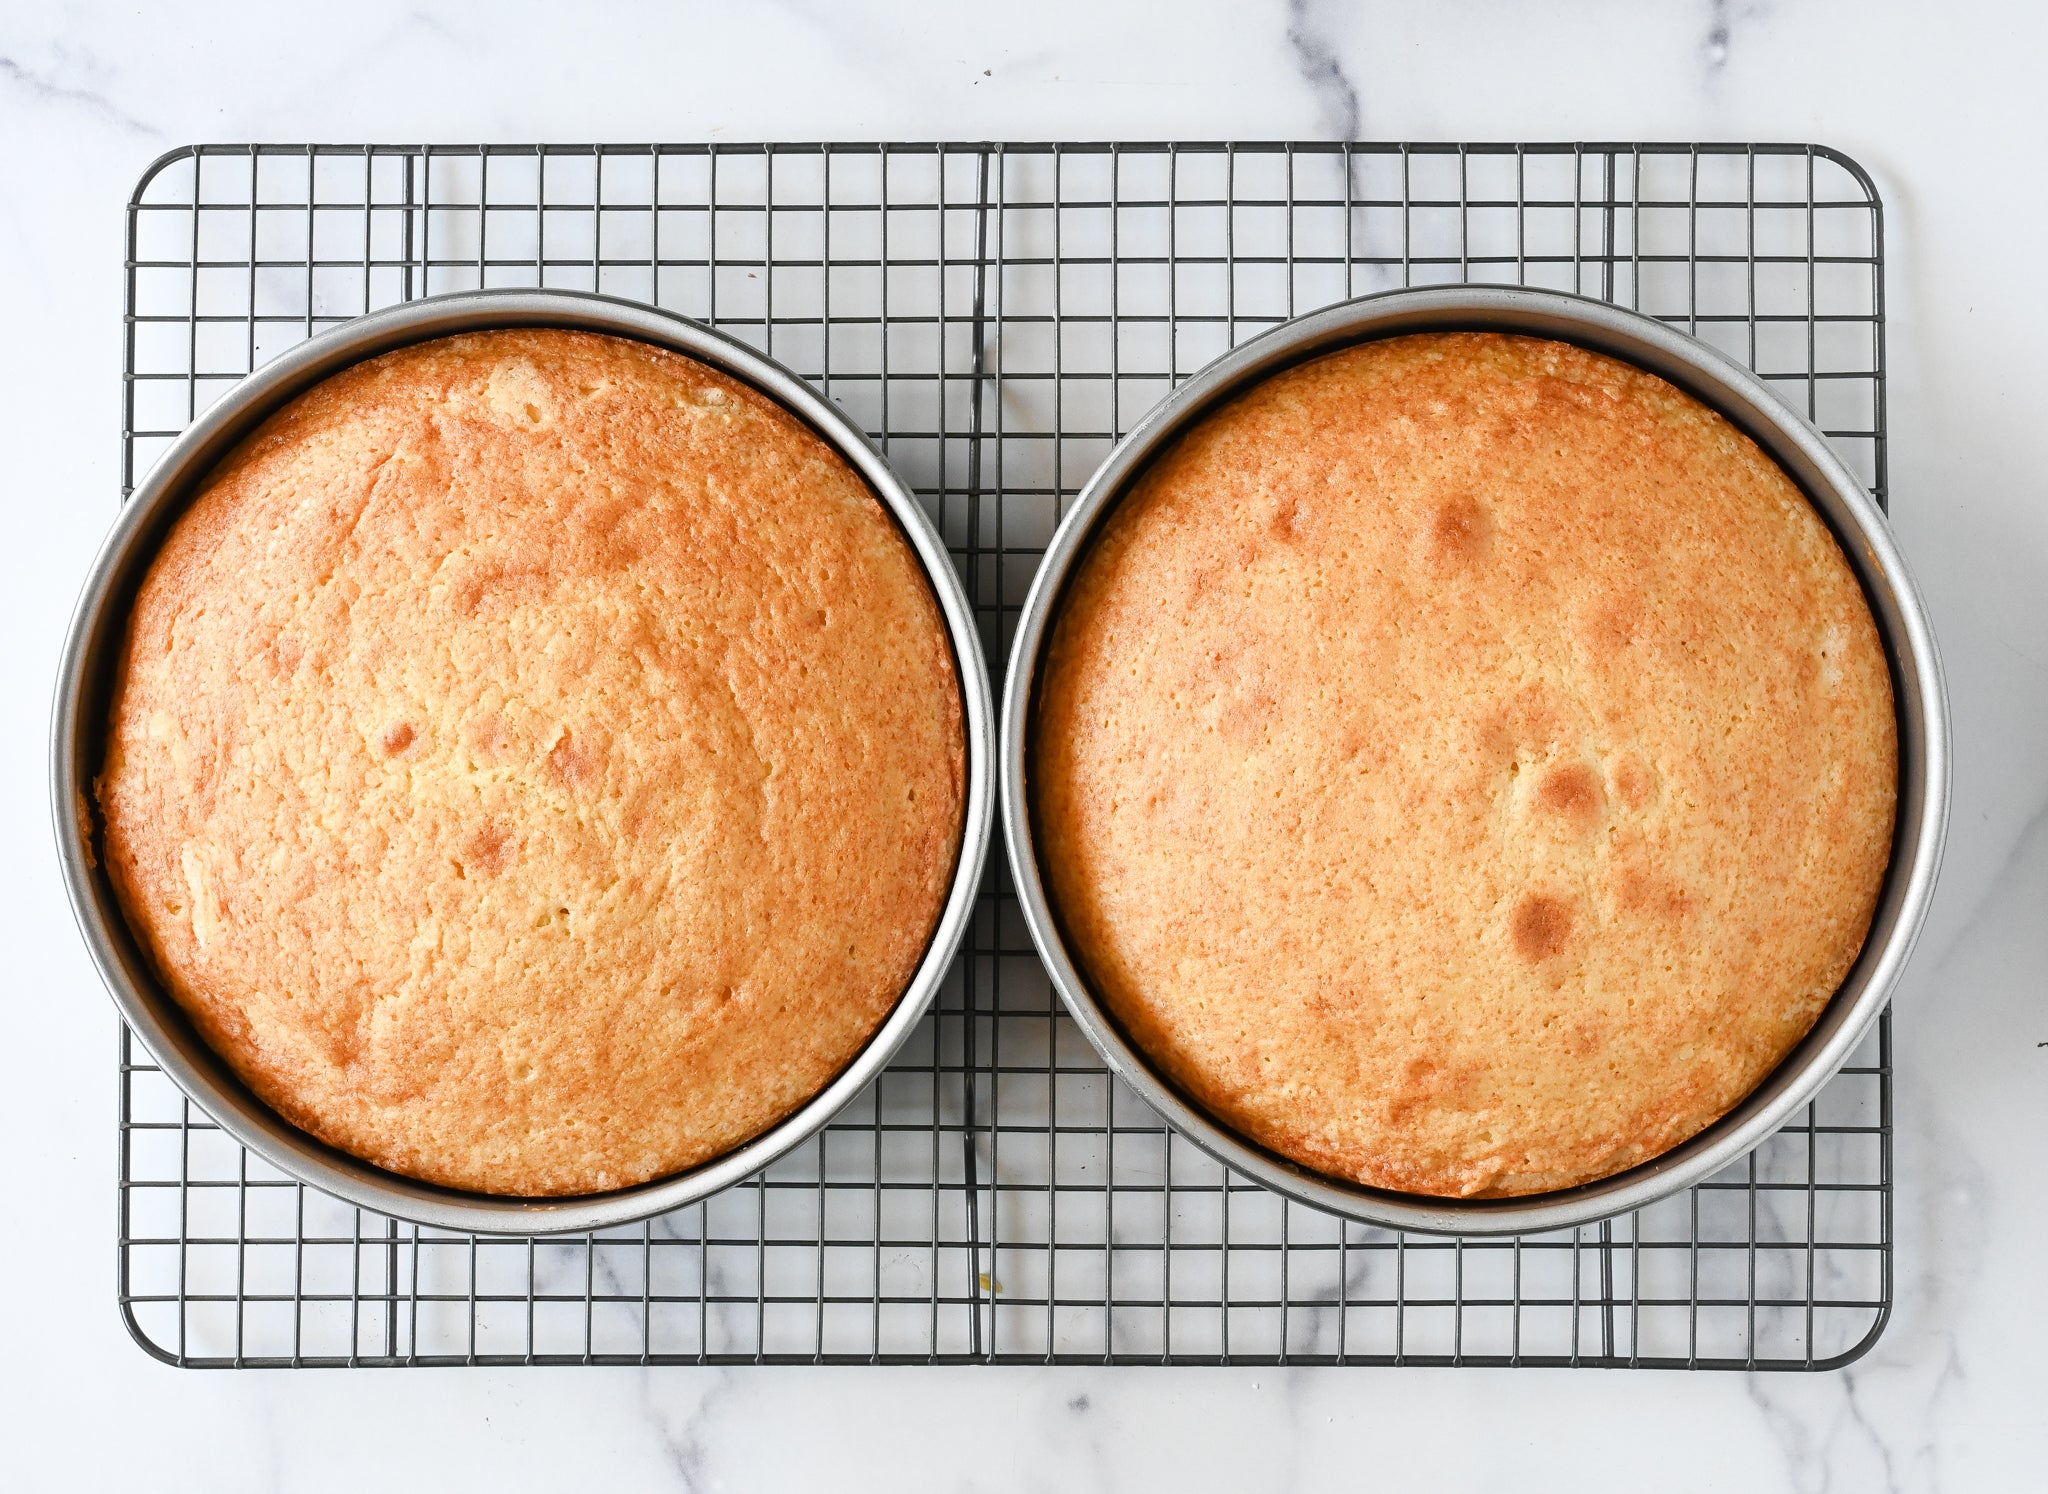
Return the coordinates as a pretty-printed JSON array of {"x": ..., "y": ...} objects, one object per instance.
[{"x": 995, "y": 316}]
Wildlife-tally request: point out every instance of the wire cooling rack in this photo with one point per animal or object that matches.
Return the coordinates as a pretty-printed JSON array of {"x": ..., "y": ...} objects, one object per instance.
[{"x": 996, "y": 315}]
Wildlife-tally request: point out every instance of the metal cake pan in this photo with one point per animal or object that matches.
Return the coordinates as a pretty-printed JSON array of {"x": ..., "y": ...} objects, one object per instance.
[
  {"x": 1866, "y": 541},
  {"x": 93, "y": 643}
]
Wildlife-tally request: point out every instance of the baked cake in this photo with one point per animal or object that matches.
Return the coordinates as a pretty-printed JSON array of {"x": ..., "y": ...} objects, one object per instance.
[
  {"x": 536, "y": 762},
  {"x": 1464, "y": 764}
]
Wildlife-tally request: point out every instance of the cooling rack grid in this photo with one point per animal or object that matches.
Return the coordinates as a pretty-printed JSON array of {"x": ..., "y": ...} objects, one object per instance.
[{"x": 996, "y": 315}]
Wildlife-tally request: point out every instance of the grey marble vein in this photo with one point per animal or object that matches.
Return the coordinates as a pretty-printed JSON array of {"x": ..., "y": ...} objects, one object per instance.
[
  {"x": 1082, "y": 1430},
  {"x": 45, "y": 88},
  {"x": 1839, "y": 1447},
  {"x": 1716, "y": 48},
  {"x": 686, "y": 1447},
  {"x": 1315, "y": 57}
]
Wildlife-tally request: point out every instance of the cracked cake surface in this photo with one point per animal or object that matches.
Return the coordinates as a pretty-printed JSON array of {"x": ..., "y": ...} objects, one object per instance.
[
  {"x": 535, "y": 762},
  {"x": 1464, "y": 764}
]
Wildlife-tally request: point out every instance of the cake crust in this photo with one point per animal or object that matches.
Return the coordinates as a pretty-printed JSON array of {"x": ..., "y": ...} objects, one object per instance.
[
  {"x": 1464, "y": 764},
  {"x": 535, "y": 763}
]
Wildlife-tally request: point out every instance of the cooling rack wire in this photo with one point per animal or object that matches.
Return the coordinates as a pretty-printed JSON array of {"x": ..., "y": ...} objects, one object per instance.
[{"x": 995, "y": 316}]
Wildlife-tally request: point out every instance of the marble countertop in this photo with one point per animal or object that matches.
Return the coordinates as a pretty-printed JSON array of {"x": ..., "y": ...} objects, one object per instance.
[{"x": 1946, "y": 113}]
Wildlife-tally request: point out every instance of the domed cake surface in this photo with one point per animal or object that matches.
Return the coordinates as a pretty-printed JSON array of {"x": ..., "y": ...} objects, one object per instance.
[
  {"x": 1464, "y": 764},
  {"x": 536, "y": 762}
]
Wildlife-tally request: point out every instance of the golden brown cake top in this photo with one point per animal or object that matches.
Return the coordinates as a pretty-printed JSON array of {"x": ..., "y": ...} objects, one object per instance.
[
  {"x": 536, "y": 762},
  {"x": 1465, "y": 764}
]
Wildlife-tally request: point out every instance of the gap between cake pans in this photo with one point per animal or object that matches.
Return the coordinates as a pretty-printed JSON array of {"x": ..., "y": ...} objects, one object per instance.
[
  {"x": 93, "y": 641},
  {"x": 1903, "y": 627}
]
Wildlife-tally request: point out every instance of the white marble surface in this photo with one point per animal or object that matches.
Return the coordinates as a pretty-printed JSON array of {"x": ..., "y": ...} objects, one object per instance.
[{"x": 1947, "y": 112}]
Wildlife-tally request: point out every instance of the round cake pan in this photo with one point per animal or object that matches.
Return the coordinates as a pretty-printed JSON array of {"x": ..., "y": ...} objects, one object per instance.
[
  {"x": 94, "y": 642},
  {"x": 1866, "y": 541}
]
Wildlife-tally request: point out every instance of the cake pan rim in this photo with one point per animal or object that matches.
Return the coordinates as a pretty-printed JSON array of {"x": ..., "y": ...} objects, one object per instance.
[
  {"x": 1865, "y": 538},
  {"x": 92, "y": 638}
]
